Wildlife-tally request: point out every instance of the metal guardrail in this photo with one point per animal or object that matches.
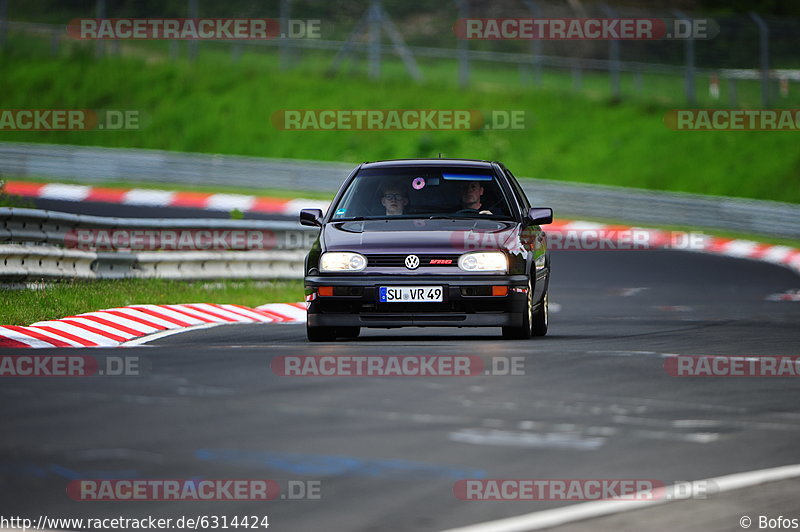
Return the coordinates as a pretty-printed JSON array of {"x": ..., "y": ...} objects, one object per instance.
[
  {"x": 630, "y": 205},
  {"x": 94, "y": 165},
  {"x": 32, "y": 246}
]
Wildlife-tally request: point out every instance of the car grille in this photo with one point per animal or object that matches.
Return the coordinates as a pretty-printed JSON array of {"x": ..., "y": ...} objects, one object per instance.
[{"x": 398, "y": 260}]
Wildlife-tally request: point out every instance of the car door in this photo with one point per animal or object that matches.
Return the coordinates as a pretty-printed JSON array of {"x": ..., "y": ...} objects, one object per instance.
[{"x": 532, "y": 239}]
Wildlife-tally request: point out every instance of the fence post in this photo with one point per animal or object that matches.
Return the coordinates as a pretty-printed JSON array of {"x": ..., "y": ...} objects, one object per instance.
[
  {"x": 193, "y": 43},
  {"x": 55, "y": 36},
  {"x": 374, "y": 24},
  {"x": 613, "y": 56},
  {"x": 577, "y": 75},
  {"x": 236, "y": 51},
  {"x": 732, "y": 97},
  {"x": 100, "y": 12},
  {"x": 690, "y": 65},
  {"x": 3, "y": 22},
  {"x": 463, "y": 47},
  {"x": 536, "y": 45},
  {"x": 763, "y": 43},
  {"x": 285, "y": 9}
]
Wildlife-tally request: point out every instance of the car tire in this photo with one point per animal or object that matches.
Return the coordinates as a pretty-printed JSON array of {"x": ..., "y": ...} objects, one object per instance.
[
  {"x": 541, "y": 317},
  {"x": 523, "y": 332},
  {"x": 348, "y": 332},
  {"x": 320, "y": 334}
]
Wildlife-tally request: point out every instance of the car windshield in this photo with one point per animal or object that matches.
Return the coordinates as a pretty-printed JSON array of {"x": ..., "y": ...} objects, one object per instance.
[{"x": 423, "y": 192}]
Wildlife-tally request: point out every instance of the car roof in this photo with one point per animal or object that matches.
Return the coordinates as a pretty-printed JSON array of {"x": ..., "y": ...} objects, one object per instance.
[{"x": 473, "y": 163}]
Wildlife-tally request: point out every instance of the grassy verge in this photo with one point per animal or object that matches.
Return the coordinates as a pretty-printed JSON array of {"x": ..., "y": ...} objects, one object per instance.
[
  {"x": 217, "y": 106},
  {"x": 59, "y": 299}
]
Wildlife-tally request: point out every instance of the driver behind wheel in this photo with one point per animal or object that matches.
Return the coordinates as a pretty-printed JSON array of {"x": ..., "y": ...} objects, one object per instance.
[{"x": 471, "y": 193}]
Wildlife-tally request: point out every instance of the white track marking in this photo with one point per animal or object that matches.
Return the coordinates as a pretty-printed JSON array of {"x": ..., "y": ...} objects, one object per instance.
[
  {"x": 138, "y": 315},
  {"x": 59, "y": 191},
  {"x": 163, "y": 334},
  {"x": 102, "y": 327},
  {"x": 56, "y": 336},
  {"x": 198, "y": 313},
  {"x": 594, "y": 509},
  {"x": 74, "y": 330},
  {"x": 229, "y": 202},
  {"x": 24, "y": 338},
  {"x": 285, "y": 310},
  {"x": 741, "y": 248},
  {"x": 506, "y": 438},
  {"x": 292, "y": 208},
  {"x": 777, "y": 253},
  {"x": 171, "y": 313},
  {"x": 222, "y": 312},
  {"x": 156, "y": 198},
  {"x": 248, "y": 312},
  {"x": 125, "y": 322}
]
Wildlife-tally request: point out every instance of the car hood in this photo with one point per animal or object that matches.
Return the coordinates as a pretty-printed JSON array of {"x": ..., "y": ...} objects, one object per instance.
[{"x": 420, "y": 236}]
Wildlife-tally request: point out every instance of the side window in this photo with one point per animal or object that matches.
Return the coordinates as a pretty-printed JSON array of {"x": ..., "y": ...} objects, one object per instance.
[{"x": 518, "y": 189}]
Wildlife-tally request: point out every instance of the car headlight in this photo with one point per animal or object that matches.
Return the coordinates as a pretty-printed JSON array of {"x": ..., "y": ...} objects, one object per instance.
[
  {"x": 484, "y": 261},
  {"x": 342, "y": 261}
]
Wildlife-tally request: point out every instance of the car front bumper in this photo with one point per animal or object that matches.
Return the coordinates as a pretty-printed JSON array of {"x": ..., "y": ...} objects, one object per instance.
[{"x": 355, "y": 302}]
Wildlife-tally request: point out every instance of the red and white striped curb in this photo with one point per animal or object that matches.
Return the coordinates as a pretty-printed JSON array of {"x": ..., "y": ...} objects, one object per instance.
[
  {"x": 657, "y": 238},
  {"x": 163, "y": 198},
  {"x": 113, "y": 327}
]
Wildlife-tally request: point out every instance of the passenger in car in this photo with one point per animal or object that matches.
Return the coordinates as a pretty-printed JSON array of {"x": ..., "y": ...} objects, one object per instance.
[{"x": 394, "y": 199}]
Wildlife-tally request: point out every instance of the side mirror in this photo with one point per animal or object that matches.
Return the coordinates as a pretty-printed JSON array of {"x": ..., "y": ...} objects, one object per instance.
[
  {"x": 311, "y": 217},
  {"x": 540, "y": 215}
]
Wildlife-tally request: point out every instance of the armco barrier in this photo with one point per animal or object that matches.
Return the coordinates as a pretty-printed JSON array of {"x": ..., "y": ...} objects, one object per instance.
[
  {"x": 32, "y": 246},
  {"x": 630, "y": 205},
  {"x": 30, "y": 239}
]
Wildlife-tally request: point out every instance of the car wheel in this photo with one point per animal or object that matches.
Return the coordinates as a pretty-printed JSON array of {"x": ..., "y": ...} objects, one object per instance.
[
  {"x": 541, "y": 317},
  {"x": 348, "y": 332},
  {"x": 524, "y": 330},
  {"x": 320, "y": 334}
]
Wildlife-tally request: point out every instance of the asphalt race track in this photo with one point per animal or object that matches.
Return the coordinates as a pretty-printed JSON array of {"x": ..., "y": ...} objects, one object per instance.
[{"x": 594, "y": 402}]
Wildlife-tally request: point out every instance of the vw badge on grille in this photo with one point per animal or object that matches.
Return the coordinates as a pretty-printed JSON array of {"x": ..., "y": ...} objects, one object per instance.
[{"x": 412, "y": 262}]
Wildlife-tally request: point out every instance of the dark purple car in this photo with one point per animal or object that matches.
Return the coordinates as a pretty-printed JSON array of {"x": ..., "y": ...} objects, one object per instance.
[{"x": 428, "y": 242}]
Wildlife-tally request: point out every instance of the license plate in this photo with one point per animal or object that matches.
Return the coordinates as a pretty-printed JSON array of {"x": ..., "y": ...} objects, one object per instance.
[{"x": 411, "y": 294}]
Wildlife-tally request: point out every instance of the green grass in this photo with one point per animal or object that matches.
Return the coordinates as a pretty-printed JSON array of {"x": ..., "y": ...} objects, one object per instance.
[
  {"x": 217, "y": 106},
  {"x": 65, "y": 298}
]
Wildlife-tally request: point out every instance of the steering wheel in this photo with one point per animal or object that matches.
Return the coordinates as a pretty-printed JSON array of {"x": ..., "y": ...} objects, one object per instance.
[{"x": 467, "y": 211}]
